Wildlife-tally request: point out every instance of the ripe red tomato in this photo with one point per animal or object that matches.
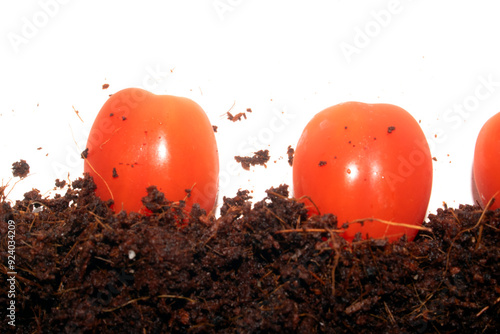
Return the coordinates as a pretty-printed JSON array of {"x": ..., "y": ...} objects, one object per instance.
[
  {"x": 486, "y": 165},
  {"x": 139, "y": 139},
  {"x": 359, "y": 161}
]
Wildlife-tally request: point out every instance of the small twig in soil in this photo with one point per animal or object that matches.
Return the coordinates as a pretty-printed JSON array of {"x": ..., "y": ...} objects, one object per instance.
[
  {"x": 276, "y": 194},
  {"x": 103, "y": 259},
  {"x": 422, "y": 303},
  {"x": 177, "y": 297},
  {"x": 276, "y": 216},
  {"x": 123, "y": 305},
  {"x": 77, "y": 114},
  {"x": 487, "y": 307},
  {"x": 316, "y": 277},
  {"x": 480, "y": 233},
  {"x": 31, "y": 225},
  {"x": 486, "y": 208},
  {"x": 3, "y": 196},
  {"x": 310, "y": 200},
  {"x": 334, "y": 268},
  {"x": 391, "y": 317},
  {"x": 416, "y": 227},
  {"x": 98, "y": 220}
]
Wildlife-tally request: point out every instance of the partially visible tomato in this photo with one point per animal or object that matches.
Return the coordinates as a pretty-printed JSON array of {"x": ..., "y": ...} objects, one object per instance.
[
  {"x": 139, "y": 139},
  {"x": 361, "y": 161},
  {"x": 486, "y": 165}
]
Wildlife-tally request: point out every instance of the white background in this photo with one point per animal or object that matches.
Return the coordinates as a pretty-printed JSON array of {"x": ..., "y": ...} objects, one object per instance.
[{"x": 286, "y": 60}]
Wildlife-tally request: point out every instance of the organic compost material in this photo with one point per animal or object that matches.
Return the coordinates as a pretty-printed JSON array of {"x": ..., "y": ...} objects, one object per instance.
[{"x": 262, "y": 267}]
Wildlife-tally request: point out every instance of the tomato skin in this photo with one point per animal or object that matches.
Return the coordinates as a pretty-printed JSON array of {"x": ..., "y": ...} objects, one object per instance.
[
  {"x": 140, "y": 139},
  {"x": 486, "y": 166},
  {"x": 358, "y": 161}
]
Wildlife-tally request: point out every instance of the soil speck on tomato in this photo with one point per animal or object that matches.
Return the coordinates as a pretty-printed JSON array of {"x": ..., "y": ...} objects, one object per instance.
[{"x": 85, "y": 153}]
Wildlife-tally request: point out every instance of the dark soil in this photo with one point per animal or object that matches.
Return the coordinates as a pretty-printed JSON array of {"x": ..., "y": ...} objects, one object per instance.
[
  {"x": 20, "y": 168},
  {"x": 259, "y": 268},
  {"x": 290, "y": 153},
  {"x": 259, "y": 158}
]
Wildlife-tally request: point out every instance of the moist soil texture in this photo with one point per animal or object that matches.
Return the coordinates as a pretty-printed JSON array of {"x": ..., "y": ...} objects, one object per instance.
[{"x": 262, "y": 267}]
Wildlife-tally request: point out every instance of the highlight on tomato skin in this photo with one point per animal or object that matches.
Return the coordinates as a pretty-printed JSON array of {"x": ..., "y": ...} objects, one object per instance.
[
  {"x": 140, "y": 139},
  {"x": 368, "y": 162},
  {"x": 486, "y": 165}
]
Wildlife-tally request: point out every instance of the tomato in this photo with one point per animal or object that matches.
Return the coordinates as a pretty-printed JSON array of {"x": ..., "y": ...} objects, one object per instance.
[
  {"x": 361, "y": 161},
  {"x": 140, "y": 139},
  {"x": 486, "y": 166}
]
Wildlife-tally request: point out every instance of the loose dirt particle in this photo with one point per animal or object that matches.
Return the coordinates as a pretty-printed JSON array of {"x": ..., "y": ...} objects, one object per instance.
[
  {"x": 236, "y": 117},
  {"x": 390, "y": 129},
  {"x": 259, "y": 158},
  {"x": 85, "y": 153},
  {"x": 290, "y": 152},
  {"x": 60, "y": 184},
  {"x": 20, "y": 168}
]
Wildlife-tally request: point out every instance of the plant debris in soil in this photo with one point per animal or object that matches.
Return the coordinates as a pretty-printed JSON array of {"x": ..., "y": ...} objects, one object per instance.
[
  {"x": 259, "y": 158},
  {"x": 258, "y": 268}
]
